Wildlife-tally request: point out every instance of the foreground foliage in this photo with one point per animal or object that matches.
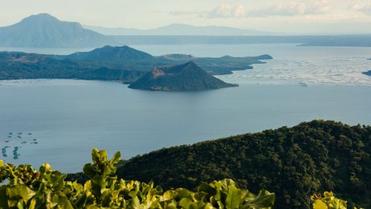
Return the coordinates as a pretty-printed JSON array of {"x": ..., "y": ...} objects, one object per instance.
[
  {"x": 328, "y": 201},
  {"x": 294, "y": 163},
  {"x": 23, "y": 187}
]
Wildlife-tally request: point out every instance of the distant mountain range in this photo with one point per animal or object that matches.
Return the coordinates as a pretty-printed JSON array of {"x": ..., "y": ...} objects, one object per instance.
[
  {"x": 184, "y": 77},
  {"x": 46, "y": 31},
  {"x": 179, "y": 30}
]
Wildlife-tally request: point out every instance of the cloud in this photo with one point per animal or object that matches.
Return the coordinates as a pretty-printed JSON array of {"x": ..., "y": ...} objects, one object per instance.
[
  {"x": 293, "y": 8},
  {"x": 185, "y": 13},
  {"x": 309, "y": 9},
  {"x": 362, "y": 7},
  {"x": 226, "y": 10},
  {"x": 287, "y": 8}
]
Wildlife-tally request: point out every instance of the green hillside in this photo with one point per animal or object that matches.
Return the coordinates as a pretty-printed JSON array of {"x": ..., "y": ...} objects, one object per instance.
[{"x": 291, "y": 162}]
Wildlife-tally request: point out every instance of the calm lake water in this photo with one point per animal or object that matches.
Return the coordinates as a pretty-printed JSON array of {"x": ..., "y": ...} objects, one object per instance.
[{"x": 60, "y": 121}]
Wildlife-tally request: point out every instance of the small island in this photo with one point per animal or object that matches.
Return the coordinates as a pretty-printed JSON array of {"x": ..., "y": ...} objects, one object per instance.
[
  {"x": 184, "y": 77},
  {"x": 367, "y": 73}
]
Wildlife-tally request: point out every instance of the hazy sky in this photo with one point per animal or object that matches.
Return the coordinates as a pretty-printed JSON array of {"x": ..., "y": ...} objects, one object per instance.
[{"x": 292, "y": 16}]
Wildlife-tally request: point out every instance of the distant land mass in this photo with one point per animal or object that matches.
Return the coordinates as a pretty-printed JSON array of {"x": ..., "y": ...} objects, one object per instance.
[
  {"x": 119, "y": 57},
  {"x": 44, "y": 30},
  {"x": 339, "y": 40},
  {"x": 304, "y": 41},
  {"x": 127, "y": 58},
  {"x": 110, "y": 63},
  {"x": 179, "y": 29},
  {"x": 367, "y": 73},
  {"x": 185, "y": 77},
  {"x": 19, "y": 65}
]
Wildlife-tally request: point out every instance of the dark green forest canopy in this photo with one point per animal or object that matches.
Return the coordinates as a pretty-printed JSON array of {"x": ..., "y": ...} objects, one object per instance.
[{"x": 292, "y": 162}]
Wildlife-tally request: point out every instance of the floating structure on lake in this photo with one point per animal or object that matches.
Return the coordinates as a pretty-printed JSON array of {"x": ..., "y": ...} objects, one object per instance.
[{"x": 14, "y": 140}]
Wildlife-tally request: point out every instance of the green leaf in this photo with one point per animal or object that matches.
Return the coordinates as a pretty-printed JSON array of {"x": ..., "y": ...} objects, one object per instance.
[
  {"x": 264, "y": 199},
  {"x": 19, "y": 192},
  {"x": 233, "y": 199}
]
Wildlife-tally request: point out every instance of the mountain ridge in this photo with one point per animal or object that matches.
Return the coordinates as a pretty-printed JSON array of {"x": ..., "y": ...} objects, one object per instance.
[
  {"x": 179, "y": 29},
  {"x": 111, "y": 52},
  {"x": 46, "y": 31}
]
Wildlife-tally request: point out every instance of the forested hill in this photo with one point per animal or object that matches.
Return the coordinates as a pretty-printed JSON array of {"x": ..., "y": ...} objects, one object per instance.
[{"x": 292, "y": 162}]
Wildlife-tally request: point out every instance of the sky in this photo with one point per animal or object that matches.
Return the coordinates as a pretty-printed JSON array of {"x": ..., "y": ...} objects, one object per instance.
[{"x": 285, "y": 16}]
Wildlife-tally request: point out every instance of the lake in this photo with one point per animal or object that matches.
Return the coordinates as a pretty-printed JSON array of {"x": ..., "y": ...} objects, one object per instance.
[{"x": 60, "y": 121}]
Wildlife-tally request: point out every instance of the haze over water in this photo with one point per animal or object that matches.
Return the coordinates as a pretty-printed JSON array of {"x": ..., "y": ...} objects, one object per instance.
[{"x": 69, "y": 117}]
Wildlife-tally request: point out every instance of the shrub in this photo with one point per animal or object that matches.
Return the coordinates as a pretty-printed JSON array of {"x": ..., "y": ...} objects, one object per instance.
[
  {"x": 24, "y": 187},
  {"x": 328, "y": 201}
]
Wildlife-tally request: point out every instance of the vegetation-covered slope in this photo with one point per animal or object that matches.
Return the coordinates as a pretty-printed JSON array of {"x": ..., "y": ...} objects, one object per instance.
[
  {"x": 120, "y": 57},
  {"x": 292, "y": 162},
  {"x": 18, "y": 65}
]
